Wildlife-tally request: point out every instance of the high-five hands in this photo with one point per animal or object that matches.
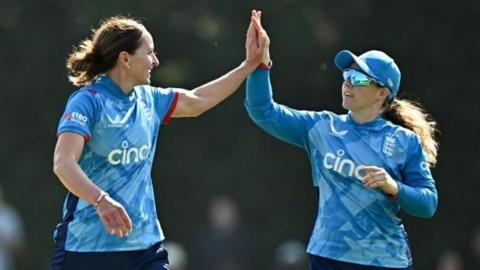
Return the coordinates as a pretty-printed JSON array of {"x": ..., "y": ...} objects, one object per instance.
[{"x": 257, "y": 44}]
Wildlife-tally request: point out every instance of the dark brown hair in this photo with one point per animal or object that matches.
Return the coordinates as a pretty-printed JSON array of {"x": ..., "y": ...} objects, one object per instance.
[
  {"x": 99, "y": 53},
  {"x": 411, "y": 115}
]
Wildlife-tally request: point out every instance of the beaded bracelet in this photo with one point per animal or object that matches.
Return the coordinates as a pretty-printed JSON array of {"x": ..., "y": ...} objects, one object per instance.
[{"x": 103, "y": 194}]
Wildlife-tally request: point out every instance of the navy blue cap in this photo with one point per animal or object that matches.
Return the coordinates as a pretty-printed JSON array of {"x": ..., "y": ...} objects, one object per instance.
[{"x": 375, "y": 64}]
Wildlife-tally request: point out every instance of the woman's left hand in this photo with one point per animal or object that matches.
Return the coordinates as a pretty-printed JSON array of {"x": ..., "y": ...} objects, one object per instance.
[
  {"x": 376, "y": 177},
  {"x": 257, "y": 43}
]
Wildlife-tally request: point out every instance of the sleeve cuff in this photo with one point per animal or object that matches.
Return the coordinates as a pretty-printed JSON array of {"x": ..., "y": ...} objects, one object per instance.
[
  {"x": 168, "y": 116},
  {"x": 85, "y": 136},
  {"x": 266, "y": 66}
]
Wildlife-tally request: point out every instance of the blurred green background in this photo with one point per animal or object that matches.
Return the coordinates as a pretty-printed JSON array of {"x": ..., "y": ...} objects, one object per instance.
[{"x": 435, "y": 43}]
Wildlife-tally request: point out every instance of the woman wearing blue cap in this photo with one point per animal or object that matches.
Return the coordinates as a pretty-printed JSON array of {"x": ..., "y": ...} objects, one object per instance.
[{"x": 368, "y": 164}]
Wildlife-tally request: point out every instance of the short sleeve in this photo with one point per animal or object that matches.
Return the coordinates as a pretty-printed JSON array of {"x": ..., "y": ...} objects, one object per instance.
[
  {"x": 79, "y": 116},
  {"x": 165, "y": 101}
]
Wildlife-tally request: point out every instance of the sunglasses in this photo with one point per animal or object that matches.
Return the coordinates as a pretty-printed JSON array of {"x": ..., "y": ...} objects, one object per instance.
[{"x": 357, "y": 78}]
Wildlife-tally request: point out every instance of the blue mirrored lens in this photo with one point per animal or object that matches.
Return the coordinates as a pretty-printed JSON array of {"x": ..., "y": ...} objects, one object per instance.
[{"x": 356, "y": 78}]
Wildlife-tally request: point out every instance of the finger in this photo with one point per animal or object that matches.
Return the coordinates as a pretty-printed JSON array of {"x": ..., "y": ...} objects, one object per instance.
[
  {"x": 379, "y": 176},
  {"x": 375, "y": 174},
  {"x": 116, "y": 225},
  {"x": 107, "y": 223},
  {"x": 376, "y": 184},
  {"x": 253, "y": 24},
  {"x": 262, "y": 40},
  {"x": 119, "y": 229},
  {"x": 367, "y": 182},
  {"x": 251, "y": 42},
  {"x": 365, "y": 179},
  {"x": 260, "y": 33},
  {"x": 256, "y": 23},
  {"x": 370, "y": 169},
  {"x": 368, "y": 176},
  {"x": 251, "y": 32},
  {"x": 249, "y": 29},
  {"x": 256, "y": 14},
  {"x": 368, "y": 179},
  {"x": 126, "y": 220},
  {"x": 267, "y": 40},
  {"x": 119, "y": 233},
  {"x": 370, "y": 184},
  {"x": 374, "y": 181}
]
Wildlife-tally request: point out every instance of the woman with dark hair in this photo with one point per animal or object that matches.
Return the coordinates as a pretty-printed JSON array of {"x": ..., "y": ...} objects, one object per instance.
[
  {"x": 106, "y": 142},
  {"x": 368, "y": 164}
]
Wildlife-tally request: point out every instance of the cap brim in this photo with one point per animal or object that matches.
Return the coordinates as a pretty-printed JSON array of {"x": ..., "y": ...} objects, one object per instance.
[{"x": 345, "y": 58}]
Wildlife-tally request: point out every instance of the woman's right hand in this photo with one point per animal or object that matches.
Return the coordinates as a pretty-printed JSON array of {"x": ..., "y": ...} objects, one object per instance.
[
  {"x": 114, "y": 217},
  {"x": 258, "y": 43},
  {"x": 65, "y": 165}
]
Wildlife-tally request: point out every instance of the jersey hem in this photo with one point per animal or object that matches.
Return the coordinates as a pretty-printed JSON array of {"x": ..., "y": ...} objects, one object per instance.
[
  {"x": 359, "y": 262},
  {"x": 115, "y": 248}
]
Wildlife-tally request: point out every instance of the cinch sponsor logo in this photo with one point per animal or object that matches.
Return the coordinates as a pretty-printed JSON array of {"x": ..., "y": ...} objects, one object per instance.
[
  {"x": 341, "y": 165},
  {"x": 128, "y": 155},
  {"x": 76, "y": 117}
]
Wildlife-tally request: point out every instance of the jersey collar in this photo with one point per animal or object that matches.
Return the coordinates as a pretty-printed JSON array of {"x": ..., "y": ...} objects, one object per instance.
[
  {"x": 375, "y": 124},
  {"x": 113, "y": 88}
]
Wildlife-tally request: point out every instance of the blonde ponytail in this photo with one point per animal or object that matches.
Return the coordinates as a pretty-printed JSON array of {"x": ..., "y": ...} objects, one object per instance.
[{"x": 412, "y": 116}]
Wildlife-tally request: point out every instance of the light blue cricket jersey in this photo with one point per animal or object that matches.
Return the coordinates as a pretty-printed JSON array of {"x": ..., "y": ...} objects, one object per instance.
[
  {"x": 121, "y": 133},
  {"x": 354, "y": 223}
]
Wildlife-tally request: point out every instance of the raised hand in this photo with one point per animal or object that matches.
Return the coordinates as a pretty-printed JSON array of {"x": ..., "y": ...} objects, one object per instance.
[
  {"x": 257, "y": 42},
  {"x": 261, "y": 35}
]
